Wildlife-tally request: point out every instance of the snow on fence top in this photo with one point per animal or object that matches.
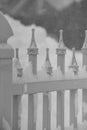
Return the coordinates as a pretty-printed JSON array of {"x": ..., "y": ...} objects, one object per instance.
[{"x": 30, "y": 73}]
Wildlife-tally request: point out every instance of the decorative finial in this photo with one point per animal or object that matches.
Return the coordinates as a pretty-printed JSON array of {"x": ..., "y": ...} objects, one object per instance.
[
  {"x": 74, "y": 64},
  {"x": 85, "y": 41},
  {"x": 33, "y": 42},
  {"x": 61, "y": 43},
  {"x": 47, "y": 63}
]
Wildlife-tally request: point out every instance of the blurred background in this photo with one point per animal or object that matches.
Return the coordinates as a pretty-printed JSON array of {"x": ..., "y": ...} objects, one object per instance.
[{"x": 52, "y": 15}]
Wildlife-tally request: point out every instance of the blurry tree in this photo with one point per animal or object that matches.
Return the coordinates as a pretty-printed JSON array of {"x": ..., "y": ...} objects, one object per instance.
[{"x": 71, "y": 16}]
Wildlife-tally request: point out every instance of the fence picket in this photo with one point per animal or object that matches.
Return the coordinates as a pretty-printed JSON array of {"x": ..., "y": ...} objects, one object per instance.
[
  {"x": 16, "y": 114},
  {"x": 84, "y": 104},
  {"x": 46, "y": 112},
  {"x": 31, "y": 121},
  {"x": 73, "y": 118},
  {"x": 60, "y": 109}
]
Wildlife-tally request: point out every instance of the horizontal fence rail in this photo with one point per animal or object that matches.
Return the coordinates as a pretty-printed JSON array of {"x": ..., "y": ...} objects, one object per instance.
[{"x": 48, "y": 86}]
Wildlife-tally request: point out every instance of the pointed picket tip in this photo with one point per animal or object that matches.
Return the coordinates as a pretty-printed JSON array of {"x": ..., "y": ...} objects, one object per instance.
[
  {"x": 48, "y": 66},
  {"x": 33, "y": 41},
  {"x": 61, "y": 42},
  {"x": 73, "y": 61},
  {"x": 74, "y": 64}
]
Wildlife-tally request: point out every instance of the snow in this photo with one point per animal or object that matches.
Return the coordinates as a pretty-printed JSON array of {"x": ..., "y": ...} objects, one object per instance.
[
  {"x": 28, "y": 75},
  {"x": 82, "y": 72},
  {"x": 43, "y": 76},
  {"x": 57, "y": 74}
]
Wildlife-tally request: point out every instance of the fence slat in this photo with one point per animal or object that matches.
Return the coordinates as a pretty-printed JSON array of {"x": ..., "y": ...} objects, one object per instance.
[
  {"x": 60, "y": 109},
  {"x": 16, "y": 116},
  {"x": 84, "y": 104},
  {"x": 46, "y": 112},
  {"x": 31, "y": 120},
  {"x": 35, "y": 106},
  {"x": 73, "y": 118}
]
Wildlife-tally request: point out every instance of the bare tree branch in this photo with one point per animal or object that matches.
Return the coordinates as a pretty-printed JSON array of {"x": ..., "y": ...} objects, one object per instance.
[{"x": 18, "y": 7}]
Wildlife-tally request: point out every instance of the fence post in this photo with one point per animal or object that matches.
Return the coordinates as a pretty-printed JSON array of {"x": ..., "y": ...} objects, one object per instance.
[{"x": 6, "y": 55}]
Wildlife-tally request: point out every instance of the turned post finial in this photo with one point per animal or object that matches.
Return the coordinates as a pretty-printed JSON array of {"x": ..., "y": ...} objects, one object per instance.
[
  {"x": 61, "y": 43},
  {"x": 33, "y": 52},
  {"x": 33, "y": 42},
  {"x": 61, "y": 51}
]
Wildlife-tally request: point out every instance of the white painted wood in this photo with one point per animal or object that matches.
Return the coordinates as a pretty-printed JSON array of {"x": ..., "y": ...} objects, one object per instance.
[
  {"x": 31, "y": 121},
  {"x": 60, "y": 109},
  {"x": 48, "y": 86},
  {"x": 73, "y": 119},
  {"x": 16, "y": 112},
  {"x": 61, "y": 62},
  {"x": 35, "y": 106},
  {"x": 84, "y": 104},
  {"x": 46, "y": 112}
]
